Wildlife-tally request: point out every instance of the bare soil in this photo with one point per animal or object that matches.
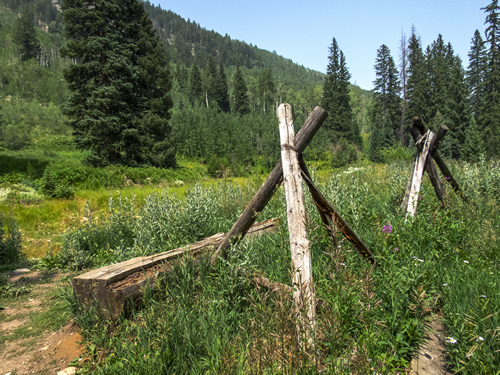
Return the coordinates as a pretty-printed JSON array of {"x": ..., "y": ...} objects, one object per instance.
[{"x": 46, "y": 353}]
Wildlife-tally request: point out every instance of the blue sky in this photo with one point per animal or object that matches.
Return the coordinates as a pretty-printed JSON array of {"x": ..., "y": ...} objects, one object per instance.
[{"x": 303, "y": 31}]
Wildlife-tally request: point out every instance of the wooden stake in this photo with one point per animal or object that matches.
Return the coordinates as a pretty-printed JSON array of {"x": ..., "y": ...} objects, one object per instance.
[
  {"x": 266, "y": 191},
  {"x": 418, "y": 174},
  {"x": 303, "y": 292}
]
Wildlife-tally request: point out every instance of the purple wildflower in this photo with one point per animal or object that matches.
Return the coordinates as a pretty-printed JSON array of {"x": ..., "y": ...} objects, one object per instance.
[{"x": 387, "y": 228}]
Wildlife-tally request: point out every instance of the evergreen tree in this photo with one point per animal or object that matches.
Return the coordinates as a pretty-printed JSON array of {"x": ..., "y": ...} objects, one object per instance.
[
  {"x": 240, "y": 93},
  {"x": 377, "y": 138},
  {"x": 473, "y": 145},
  {"x": 489, "y": 119},
  {"x": 438, "y": 70},
  {"x": 25, "y": 35},
  {"x": 336, "y": 99},
  {"x": 211, "y": 79},
  {"x": 222, "y": 91},
  {"x": 386, "y": 88},
  {"x": 196, "y": 94},
  {"x": 266, "y": 87},
  {"x": 458, "y": 103},
  {"x": 416, "y": 88},
  {"x": 476, "y": 74},
  {"x": 119, "y": 100}
]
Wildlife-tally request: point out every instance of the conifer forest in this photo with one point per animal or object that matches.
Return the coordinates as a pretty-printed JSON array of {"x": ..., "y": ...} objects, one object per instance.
[{"x": 128, "y": 131}]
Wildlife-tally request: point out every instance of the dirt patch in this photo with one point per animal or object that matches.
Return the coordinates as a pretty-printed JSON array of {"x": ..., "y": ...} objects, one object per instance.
[
  {"x": 34, "y": 277},
  {"x": 11, "y": 325},
  {"x": 51, "y": 353}
]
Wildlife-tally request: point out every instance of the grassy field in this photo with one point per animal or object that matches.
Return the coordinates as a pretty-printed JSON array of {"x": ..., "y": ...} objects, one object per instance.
[{"x": 443, "y": 263}]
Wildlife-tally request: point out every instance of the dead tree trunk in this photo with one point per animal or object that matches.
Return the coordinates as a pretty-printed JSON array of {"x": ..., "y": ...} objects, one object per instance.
[
  {"x": 303, "y": 292},
  {"x": 266, "y": 191}
]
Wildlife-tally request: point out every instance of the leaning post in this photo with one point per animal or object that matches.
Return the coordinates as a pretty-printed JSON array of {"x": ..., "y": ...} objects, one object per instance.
[{"x": 303, "y": 286}]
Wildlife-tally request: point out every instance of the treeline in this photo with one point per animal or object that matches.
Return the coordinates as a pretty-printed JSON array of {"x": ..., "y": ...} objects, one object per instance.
[{"x": 432, "y": 82}]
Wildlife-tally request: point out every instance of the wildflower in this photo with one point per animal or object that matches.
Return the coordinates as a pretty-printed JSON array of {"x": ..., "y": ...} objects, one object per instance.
[
  {"x": 414, "y": 257},
  {"x": 450, "y": 340},
  {"x": 447, "y": 177},
  {"x": 420, "y": 260},
  {"x": 480, "y": 338},
  {"x": 387, "y": 228},
  {"x": 468, "y": 355},
  {"x": 342, "y": 264},
  {"x": 466, "y": 261},
  {"x": 445, "y": 284},
  {"x": 482, "y": 296}
]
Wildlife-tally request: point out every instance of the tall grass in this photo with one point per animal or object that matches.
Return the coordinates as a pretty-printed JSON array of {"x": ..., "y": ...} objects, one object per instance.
[{"x": 443, "y": 261}]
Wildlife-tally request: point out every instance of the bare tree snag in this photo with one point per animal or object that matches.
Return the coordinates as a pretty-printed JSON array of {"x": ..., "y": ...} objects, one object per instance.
[
  {"x": 303, "y": 285},
  {"x": 113, "y": 285},
  {"x": 330, "y": 226},
  {"x": 416, "y": 179},
  {"x": 266, "y": 191},
  {"x": 339, "y": 222}
]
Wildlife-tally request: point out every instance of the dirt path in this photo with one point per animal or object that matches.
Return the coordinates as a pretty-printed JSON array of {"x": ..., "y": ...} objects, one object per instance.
[
  {"x": 431, "y": 359},
  {"x": 36, "y": 334}
]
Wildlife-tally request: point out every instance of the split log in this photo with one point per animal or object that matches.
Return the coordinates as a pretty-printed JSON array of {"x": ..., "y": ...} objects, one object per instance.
[
  {"x": 302, "y": 280},
  {"x": 268, "y": 188},
  {"x": 404, "y": 204},
  {"x": 430, "y": 168},
  {"x": 339, "y": 222},
  {"x": 417, "y": 121},
  {"x": 113, "y": 285},
  {"x": 416, "y": 179}
]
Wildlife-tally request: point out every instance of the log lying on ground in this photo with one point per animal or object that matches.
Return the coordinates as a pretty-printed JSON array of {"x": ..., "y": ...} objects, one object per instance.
[
  {"x": 268, "y": 188},
  {"x": 113, "y": 285}
]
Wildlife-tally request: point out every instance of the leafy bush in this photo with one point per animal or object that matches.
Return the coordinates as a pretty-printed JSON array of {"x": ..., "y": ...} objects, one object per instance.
[
  {"x": 344, "y": 153},
  {"x": 53, "y": 186},
  {"x": 396, "y": 153},
  {"x": 10, "y": 241},
  {"x": 217, "y": 166}
]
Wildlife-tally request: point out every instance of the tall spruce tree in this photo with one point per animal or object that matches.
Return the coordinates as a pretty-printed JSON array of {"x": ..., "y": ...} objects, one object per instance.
[
  {"x": 336, "y": 99},
  {"x": 240, "y": 93},
  {"x": 25, "y": 35},
  {"x": 211, "y": 78},
  {"x": 416, "y": 89},
  {"x": 196, "y": 93},
  {"x": 386, "y": 89},
  {"x": 438, "y": 73},
  {"x": 489, "y": 119},
  {"x": 119, "y": 85},
  {"x": 473, "y": 145},
  {"x": 476, "y": 74},
  {"x": 222, "y": 91}
]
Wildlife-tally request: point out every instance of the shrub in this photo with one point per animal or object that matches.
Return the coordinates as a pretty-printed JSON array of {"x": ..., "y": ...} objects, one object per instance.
[
  {"x": 10, "y": 241},
  {"x": 344, "y": 153},
  {"x": 396, "y": 153},
  {"x": 217, "y": 166}
]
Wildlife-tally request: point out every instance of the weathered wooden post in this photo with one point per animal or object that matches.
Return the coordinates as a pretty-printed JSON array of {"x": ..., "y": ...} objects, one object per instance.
[
  {"x": 303, "y": 286},
  {"x": 418, "y": 173}
]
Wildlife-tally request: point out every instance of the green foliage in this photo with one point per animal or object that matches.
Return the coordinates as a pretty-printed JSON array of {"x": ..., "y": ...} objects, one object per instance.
[
  {"x": 344, "y": 153},
  {"x": 473, "y": 146},
  {"x": 217, "y": 166},
  {"x": 396, "y": 153},
  {"x": 119, "y": 107},
  {"x": 240, "y": 93},
  {"x": 25, "y": 35},
  {"x": 10, "y": 241}
]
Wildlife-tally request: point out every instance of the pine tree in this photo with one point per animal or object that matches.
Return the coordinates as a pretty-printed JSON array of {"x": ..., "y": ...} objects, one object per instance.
[
  {"x": 489, "y": 119},
  {"x": 222, "y": 92},
  {"x": 25, "y": 35},
  {"x": 196, "y": 94},
  {"x": 336, "y": 99},
  {"x": 476, "y": 74},
  {"x": 386, "y": 88},
  {"x": 266, "y": 87},
  {"x": 438, "y": 78},
  {"x": 417, "y": 80},
  {"x": 119, "y": 85},
  {"x": 211, "y": 78},
  {"x": 473, "y": 145},
  {"x": 377, "y": 138},
  {"x": 240, "y": 93}
]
